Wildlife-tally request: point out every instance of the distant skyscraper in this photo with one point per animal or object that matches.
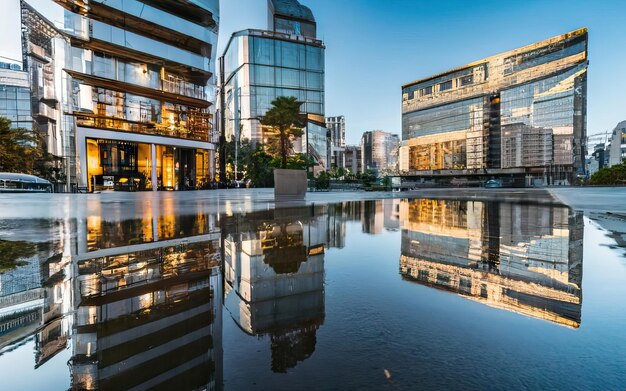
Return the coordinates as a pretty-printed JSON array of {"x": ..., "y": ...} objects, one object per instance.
[
  {"x": 379, "y": 151},
  {"x": 519, "y": 114},
  {"x": 617, "y": 148},
  {"x": 259, "y": 65},
  {"x": 337, "y": 128},
  {"x": 353, "y": 159}
]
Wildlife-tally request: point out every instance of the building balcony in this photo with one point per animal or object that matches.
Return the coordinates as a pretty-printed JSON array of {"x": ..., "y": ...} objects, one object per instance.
[
  {"x": 128, "y": 41},
  {"x": 174, "y": 90},
  {"x": 197, "y": 133},
  {"x": 149, "y": 20}
]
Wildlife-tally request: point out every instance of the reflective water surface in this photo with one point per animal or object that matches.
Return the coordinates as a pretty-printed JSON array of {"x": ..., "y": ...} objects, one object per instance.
[{"x": 438, "y": 293}]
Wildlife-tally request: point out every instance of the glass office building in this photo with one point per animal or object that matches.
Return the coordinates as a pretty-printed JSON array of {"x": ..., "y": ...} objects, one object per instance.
[
  {"x": 15, "y": 95},
  {"x": 519, "y": 115},
  {"x": 260, "y": 65},
  {"x": 379, "y": 152},
  {"x": 124, "y": 90}
]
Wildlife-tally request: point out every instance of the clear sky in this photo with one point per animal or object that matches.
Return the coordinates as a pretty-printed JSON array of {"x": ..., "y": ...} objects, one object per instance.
[{"x": 375, "y": 46}]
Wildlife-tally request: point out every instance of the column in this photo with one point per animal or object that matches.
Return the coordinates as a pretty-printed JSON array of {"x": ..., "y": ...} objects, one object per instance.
[{"x": 153, "y": 157}]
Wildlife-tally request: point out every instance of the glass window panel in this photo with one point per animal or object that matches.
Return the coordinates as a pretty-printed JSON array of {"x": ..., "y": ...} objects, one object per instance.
[
  {"x": 290, "y": 78},
  {"x": 314, "y": 96},
  {"x": 290, "y": 54},
  {"x": 264, "y": 75},
  {"x": 452, "y": 117},
  {"x": 263, "y": 51},
  {"x": 314, "y": 81},
  {"x": 314, "y": 58}
]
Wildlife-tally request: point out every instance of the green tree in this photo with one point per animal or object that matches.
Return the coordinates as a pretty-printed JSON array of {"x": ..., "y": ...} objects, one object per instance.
[
  {"x": 243, "y": 152},
  {"x": 12, "y": 251},
  {"x": 338, "y": 172},
  {"x": 18, "y": 148},
  {"x": 259, "y": 168},
  {"x": 367, "y": 177},
  {"x": 23, "y": 151},
  {"x": 286, "y": 122},
  {"x": 298, "y": 161},
  {"x": 614, "y": 175},
  {"x": 322, "y": 181}
]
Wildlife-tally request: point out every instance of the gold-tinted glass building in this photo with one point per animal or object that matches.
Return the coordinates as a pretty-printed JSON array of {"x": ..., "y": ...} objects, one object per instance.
[
  {"x": 519, "y": 115},
  {"x": 523, "y": 258}
]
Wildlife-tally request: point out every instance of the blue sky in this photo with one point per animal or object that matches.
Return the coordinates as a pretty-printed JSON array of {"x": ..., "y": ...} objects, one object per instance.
[{"x": 375, "y": 46}]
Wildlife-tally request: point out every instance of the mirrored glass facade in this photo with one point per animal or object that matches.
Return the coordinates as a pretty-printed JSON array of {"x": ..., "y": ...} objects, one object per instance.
[
  {"x": 15, "y": 101},
  {"x": 124, "y": 71},
  {"x": 260, "y": 66},
  {"x": 520, "y": 113},
  {"x": 379, "y": 152},
  {"x": 520, "y": 257}
]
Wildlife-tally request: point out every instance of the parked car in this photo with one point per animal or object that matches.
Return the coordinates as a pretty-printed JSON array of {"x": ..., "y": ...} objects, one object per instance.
[{"x": 493, "y": 183}]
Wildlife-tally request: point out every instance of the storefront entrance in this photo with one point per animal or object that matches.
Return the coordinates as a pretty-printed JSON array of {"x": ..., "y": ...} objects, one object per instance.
[{"x": 128, "y": 166}]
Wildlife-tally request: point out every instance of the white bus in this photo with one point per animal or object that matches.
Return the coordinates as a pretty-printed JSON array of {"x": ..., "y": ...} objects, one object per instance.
[{"x": 23, "y": 183}]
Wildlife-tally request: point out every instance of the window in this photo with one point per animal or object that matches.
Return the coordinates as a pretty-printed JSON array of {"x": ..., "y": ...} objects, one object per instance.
[
  {"x": 314, "y": 58},
  {"x": 466, "y": 80},
  {"x": 446, "y": 85},
  {"x": 314, "y": 81},
  {"x": 426, "y": 91},
  {"x": 263, "y": 51},
  {"x": 290, "y": 55}
]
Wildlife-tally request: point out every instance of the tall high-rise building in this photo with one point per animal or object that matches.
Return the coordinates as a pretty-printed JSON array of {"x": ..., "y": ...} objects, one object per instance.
[
  {"x": 123, "y": 89},
  {"x": 379, "y": 151},
  {"x": 520, "y": 114},
  {"x": 617, "y": 147},
  {"x": 260, "y": 65},
  {"x": 337, "y": 148}
]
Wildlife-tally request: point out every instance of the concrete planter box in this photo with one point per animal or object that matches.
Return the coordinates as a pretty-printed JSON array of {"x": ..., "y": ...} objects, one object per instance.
[{"x": 289, "y": 184}]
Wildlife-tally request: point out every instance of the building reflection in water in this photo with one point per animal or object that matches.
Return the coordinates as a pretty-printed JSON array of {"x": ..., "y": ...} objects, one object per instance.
[
  {"x": 520, "y": 257},
  {"x": 274, "y": 273},
  {"x": 35, "y": 294},
  {"x": 274, "y": 269},
  {"x": 137, "y": 302},
  {"x": 148, "y": 313}
]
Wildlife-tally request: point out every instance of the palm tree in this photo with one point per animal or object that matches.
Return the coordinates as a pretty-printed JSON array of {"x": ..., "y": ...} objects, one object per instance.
[{"x": 286, "y": 121}]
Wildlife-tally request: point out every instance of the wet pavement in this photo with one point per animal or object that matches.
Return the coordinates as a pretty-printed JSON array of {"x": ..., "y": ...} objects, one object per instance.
[{"x": 454, "y": 289}]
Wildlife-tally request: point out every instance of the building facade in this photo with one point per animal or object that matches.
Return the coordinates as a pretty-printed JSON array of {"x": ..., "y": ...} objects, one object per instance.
[
  {"x": 353, "y": 158},
  {"x": 123, "y": 90},
  {"x": 617, "y": 147},
  {"x": 260, "y": 65},
  {"x": 337, "y": 146},
  {"x": 15, "y": 95},
  {"x": 379, "y": 151},
  {"x": 519, "y": 115}
]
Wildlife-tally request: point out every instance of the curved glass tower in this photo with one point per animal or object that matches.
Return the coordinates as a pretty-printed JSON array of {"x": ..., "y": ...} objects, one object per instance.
[{"x": 260, "y": 65}]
